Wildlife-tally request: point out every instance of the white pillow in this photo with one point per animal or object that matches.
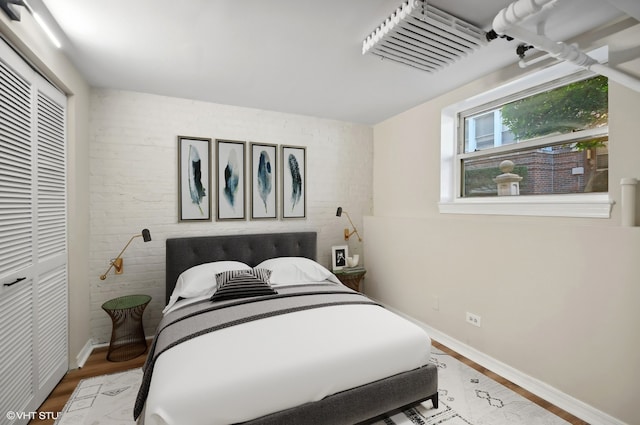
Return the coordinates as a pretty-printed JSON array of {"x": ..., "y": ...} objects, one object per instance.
[
  {"x": 294, "y": 270},
  {"x": 201, "y": 280}
]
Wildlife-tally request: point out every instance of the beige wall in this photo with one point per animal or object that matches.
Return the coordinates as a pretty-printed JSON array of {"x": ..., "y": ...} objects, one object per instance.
[
  {"x": 29, "y": 39},
  {"x": 558, "y": 297}
]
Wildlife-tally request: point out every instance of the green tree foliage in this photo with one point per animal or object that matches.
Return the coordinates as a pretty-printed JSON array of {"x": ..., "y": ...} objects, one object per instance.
[{"x": 577, "y": 106}]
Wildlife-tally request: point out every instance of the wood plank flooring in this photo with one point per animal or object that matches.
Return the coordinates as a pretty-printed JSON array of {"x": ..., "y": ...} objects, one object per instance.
[
  {"x": 97, "y": 364},
  {"x": 513, "y": 387}
]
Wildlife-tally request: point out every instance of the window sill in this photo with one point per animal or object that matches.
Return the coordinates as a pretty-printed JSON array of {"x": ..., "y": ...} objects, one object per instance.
[{"x": 596, "y": 205}]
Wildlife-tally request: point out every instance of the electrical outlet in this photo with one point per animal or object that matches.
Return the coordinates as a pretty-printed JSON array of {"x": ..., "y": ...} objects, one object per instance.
[
  {"x": 473, "y": 319},
  {"x": 435, "y": 303}
]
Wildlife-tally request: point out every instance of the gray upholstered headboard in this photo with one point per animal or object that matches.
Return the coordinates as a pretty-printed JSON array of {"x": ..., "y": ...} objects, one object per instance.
[{"x": 183, "y": 253}]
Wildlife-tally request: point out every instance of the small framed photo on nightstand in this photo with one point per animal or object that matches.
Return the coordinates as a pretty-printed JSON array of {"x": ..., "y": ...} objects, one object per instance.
[{"x": 339, "y": 256}]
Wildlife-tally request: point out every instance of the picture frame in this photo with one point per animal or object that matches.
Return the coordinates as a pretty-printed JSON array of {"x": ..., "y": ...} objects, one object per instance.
[
  {"x": 294, "y": 181},
  {"x": 264, "y": 180},
  {"x": 194, "y": 179},
  {"x": 339, "y": 254},
  {"x": 230, "y": 173}
]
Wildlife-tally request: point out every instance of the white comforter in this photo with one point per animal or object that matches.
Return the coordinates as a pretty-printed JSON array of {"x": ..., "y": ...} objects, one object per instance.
[{"x": 247, "y": 371}]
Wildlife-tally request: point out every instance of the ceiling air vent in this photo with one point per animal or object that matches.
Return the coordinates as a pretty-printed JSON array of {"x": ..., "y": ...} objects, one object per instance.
[{"x": 423, "y": 37}]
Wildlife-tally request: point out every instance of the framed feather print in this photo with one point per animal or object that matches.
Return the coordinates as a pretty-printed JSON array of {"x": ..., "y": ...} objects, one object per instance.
[
  {"x": 294, "y": 182},
  {"x": 194, "y": 178},
  {"x": 264, "y": 181},
  {"x": 230, "y": 174}
]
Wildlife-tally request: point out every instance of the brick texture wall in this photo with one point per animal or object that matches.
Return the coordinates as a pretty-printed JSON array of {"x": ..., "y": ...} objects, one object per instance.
[
  {"x": 546, "y": 173},
  {"x": 133, "y": 183}
]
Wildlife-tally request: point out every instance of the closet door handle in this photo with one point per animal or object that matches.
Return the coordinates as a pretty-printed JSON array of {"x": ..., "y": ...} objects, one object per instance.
[{"x": 20, "y": 279}]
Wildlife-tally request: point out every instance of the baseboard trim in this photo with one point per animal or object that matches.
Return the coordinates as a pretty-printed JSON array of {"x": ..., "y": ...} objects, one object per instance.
[
  {"x": 106, "y": 344},
  {"x": 562, "y": 400},
  {"x": 84, "y": 354}
]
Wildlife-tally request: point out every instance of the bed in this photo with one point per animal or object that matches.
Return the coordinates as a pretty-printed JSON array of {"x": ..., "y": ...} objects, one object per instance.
[{"x": 315, "y": 352}]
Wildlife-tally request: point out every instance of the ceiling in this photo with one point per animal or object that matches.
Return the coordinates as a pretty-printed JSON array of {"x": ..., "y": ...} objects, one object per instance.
[{"x": 295, "y": 56}]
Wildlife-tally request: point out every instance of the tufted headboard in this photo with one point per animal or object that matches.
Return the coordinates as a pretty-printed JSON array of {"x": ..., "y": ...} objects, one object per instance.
[{"x": 183, "y": 253}]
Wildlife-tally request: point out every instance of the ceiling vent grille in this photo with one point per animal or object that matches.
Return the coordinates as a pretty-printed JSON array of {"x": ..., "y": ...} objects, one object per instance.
[{"x": 423, "y": 37}]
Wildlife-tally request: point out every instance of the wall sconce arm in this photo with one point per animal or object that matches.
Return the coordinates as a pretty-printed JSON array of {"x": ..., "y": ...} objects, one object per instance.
[{"x": 118, "y": 263}]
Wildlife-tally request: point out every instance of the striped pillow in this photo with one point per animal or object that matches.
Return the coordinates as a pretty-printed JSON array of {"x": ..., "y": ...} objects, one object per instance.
[{"x": 242, "y": 284}]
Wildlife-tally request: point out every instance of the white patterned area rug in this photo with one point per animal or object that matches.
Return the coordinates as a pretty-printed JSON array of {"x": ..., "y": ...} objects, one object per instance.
[
  {"x": 466, "y": 397},
  {"x": 103, "y": 400}
]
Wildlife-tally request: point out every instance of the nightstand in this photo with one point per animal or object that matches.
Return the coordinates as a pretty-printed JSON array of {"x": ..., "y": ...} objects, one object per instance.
[
  {"x": 351, "y": 276},
  {"x": 127, "y": 334}
]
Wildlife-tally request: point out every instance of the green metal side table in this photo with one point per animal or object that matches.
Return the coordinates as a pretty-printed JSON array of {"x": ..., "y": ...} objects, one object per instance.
[
  {"x": 127, "y": 334},
  {"x": 351, "y": 276}
]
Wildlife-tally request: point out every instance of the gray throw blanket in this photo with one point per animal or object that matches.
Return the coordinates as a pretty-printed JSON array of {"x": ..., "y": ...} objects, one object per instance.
[{"x": 206, "y": 316}]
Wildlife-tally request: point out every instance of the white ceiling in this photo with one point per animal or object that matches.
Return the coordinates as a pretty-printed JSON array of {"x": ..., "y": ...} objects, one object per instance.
[{"x": 294, "y": 56}]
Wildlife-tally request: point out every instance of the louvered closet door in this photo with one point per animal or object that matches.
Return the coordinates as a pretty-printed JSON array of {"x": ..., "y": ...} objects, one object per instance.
[
  {"x": 51, "y": 220},
  {"x": 33, "y": 252}
]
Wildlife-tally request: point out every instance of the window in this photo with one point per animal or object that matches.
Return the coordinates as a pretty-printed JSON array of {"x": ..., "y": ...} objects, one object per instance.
[
  {"x": 543, "y": 139},
  {"x": 486, "y": 130},
  {"x": 553, "y": 139}
]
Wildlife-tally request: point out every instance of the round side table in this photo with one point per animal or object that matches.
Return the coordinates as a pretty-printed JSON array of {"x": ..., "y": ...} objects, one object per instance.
[
  {"x": 351, "y": 276},
  {"x": 127, "y": 334}
]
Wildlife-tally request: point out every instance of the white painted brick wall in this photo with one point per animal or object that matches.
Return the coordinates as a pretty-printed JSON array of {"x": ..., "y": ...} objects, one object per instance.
[{"x": 133, "y": 183}]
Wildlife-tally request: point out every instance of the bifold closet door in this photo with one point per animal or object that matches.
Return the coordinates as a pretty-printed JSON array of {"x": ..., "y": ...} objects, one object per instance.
[{"x": 33, "y": 250}]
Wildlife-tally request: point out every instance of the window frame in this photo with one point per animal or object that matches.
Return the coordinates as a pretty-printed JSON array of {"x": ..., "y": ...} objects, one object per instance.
[{"x": 582, "y": 205}]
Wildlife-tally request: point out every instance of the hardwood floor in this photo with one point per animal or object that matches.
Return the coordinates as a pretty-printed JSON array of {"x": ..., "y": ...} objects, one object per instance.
[
  {"x": 97, "y": 364},
  {"x": 513, "y": 387}
]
